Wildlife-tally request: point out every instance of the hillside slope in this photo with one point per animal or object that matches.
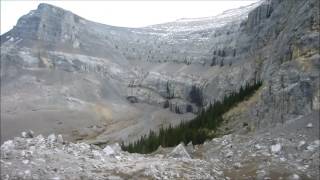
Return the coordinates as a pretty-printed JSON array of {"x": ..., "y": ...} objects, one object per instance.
[{"x": 99, "y": 83}]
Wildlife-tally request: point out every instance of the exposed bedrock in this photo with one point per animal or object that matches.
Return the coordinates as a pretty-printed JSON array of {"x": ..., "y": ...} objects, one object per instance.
[{"x": 55, "y": 62}]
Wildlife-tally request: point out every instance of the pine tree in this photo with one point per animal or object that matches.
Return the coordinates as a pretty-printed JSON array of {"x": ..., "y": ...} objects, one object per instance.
[{"x": 196, "y": 130}]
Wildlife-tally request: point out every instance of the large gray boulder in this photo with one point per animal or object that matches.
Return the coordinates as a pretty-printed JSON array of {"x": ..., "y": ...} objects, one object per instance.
[{"x": 179, "y": 152}]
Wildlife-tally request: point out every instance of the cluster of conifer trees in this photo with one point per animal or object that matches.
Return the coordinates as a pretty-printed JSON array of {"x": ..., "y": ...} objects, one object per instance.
[{"x": 197, "y": 130}]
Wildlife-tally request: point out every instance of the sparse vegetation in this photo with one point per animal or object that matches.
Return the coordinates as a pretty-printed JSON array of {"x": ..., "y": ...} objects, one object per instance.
[{"x": 197, "y": 130}]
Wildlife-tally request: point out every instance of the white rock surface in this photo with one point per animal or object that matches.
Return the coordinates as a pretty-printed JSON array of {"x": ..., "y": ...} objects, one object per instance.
[
  {"x": 276, "y": 148},
  {"x": 23, "y": 134},
  {"x": 108, "y": 150},
  {"x": 295, "y": 177},
  {"x": 309, "y": 125},
  {"x": 60, "y": 139},
  {"x": 52, "y": 138},
  {"x": 179, "y": 152}
]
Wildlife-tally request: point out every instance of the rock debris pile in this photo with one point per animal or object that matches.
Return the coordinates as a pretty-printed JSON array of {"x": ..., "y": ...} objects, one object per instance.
[
  {"x": 52, "y": 158},
  {"x": 267, "y": 155}
]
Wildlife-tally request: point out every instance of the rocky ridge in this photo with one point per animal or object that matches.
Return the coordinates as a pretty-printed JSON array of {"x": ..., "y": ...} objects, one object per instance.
[{"x": 46, "y": 158}]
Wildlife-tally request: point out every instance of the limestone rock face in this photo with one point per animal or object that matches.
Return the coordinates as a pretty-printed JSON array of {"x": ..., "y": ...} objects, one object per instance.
[{"x": 63, "y": 68}]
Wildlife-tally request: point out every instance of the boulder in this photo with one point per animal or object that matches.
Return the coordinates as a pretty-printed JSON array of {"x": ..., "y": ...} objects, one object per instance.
[
  {"x": 108, "y": 150},
  {"x": 116, "y": 147},
  {"x": 309, "y": 125},
  {"x": 24, "y": 134},
  {"x": 59, "y": 139},
  {"x": 276, "y": 148},
  {"x": 229, "y": 154},
  {"x": 52, "y": 138},
  {"x": 28, "y": 134},
  {"x": 112, "y": 149},
  {"x": 179, "y": 152},
  {"x": 294, "y": 177},
  {"x": 302, "y": 145}
]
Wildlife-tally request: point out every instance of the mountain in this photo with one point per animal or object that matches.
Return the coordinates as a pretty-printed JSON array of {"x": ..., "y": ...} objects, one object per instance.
[{"x": 102, "y": 84}]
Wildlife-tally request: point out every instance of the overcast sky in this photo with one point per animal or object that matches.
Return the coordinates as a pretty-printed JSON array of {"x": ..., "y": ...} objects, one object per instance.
[{"x": 122, "y": 13}]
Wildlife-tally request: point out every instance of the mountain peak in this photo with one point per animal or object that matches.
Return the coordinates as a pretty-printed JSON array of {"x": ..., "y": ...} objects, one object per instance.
[
  {"x": 49, "y": 7},
  {"x": 46, "y": 5},
  {"x": 48, "y": 23}
]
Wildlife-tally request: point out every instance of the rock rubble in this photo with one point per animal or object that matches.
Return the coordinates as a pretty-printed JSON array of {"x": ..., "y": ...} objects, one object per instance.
[{"x": 46, "y": 158}]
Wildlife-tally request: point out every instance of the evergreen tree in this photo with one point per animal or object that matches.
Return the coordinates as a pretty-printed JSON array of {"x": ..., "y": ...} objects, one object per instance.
[{"x": 196, "y": 130}]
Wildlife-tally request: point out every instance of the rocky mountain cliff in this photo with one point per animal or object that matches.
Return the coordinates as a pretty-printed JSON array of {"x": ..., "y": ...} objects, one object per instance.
[{"x": 99, "y": 83}]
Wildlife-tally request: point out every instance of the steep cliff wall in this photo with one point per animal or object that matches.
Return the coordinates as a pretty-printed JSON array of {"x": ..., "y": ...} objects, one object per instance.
[{"x": 55, "y": 62}]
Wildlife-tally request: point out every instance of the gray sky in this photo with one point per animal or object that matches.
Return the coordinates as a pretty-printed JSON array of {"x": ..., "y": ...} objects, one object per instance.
[{"x": 122, "y": 13}]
